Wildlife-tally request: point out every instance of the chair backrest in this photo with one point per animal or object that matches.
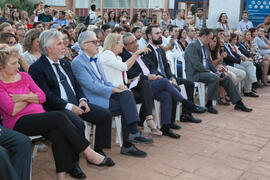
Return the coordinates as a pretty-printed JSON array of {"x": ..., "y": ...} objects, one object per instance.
[{"x": 172, "y": 60}]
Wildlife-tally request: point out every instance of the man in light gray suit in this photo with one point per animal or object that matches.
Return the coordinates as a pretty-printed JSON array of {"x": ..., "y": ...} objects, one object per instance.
[{"x": 200, "y": 68}]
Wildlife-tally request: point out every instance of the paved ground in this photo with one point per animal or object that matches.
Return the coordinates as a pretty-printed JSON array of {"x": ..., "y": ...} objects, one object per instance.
[{"x": 229, "y": 146}]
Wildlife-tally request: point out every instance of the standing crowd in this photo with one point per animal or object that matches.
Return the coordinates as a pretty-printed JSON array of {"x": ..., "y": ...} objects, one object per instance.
[{"x": 56, "y": 73}]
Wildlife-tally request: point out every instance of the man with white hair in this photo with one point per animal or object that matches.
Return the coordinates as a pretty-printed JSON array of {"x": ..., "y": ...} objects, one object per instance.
[
  {"x": 55, "y": 77},
  {"x": 120, "y": 101}
]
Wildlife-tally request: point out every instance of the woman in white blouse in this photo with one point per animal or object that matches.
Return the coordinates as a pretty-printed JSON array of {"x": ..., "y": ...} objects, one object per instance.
[
  {"x": 31, "y": 46},
  {"x": 223, "y": 22},
  {"x": 115, "y": 69}
]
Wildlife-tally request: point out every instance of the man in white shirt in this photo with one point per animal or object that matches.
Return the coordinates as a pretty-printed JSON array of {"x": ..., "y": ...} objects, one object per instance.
[
  {"x": 143, "y": 41},
  {"x": 244, "y": 24},
  {"x": 92, "y": 13}
]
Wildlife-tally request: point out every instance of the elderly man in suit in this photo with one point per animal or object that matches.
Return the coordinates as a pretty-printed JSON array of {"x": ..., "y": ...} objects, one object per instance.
[
  {"x": 158, "y": 58},
  {"x": 200, "y": 68},
  {"x": 15, "y": 155},
  {"x": 89, "y": 72},
  {"x": 55, "y": 77}
]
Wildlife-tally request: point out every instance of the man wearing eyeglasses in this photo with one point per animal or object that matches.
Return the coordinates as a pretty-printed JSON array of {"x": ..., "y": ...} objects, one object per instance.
[{"x": 55, "y": 77}]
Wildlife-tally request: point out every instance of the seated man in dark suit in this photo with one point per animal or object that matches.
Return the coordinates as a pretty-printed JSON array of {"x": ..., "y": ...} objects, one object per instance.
[
  {"x": 158, "y": 58},
  {"x": 162, "y": 89},
  {"x": 15, "y": 155},
  {"x": 55, "y": 77},
  {"x": 199, "y": 67}
]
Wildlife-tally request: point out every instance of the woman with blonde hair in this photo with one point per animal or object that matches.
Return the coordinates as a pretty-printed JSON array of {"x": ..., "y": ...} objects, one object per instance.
[{"x": 115, "y": 71}]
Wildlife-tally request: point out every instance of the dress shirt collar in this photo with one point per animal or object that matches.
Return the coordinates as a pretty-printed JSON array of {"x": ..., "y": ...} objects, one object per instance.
[
  {"x": 200, "y": 42},
  {"x": 51, "y": 61},
  {"x": 88, "y": 57},
  {"x": 154, "y": 47}
]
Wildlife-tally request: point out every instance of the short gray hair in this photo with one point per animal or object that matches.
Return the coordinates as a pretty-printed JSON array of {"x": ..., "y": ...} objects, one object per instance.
[
  {"x": 82, "y": 37},
  {"x": 128, "y": 34},
  {"x": 46, "y": 39}
]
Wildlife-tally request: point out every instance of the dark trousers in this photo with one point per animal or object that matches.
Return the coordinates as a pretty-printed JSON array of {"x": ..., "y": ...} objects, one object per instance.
[
  {"x": 258, "y": 71},
  {"x": 189, "y": 86},
  {"x": 143, "y": 94},
  {"x": 124, "y": 104},
  {"x": 56, "y": 126},
  {"x": 15, "y": 155},
  {"x": 99, "y": 116},
  {"x": 230, "y": 89},
  {"x": 165, "y": 92}
]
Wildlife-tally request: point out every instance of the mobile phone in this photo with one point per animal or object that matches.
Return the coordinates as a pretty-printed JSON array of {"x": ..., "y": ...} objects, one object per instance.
[{"x": 222, "y": 75}]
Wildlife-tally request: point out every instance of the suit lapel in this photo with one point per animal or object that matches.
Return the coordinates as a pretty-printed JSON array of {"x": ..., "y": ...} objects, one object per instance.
[
  {"x": 89, "y": 64},
  {"x": 49, "y": 69},
  {"x": 153, "y": 55}
]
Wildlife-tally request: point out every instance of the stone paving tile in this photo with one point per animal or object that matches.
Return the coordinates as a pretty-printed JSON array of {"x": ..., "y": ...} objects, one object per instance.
[
  {"x": 189, "y": 176},
  {"x": 231, "y": 145},
  {"x": 253, "y": 176}
]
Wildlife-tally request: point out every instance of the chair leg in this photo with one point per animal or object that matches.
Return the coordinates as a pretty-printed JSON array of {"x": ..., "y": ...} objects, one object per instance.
[
  {"x": 87, "y": 131},
  {"x": 35, "y": 150},
  {"x": 118, "y": 130},
  {"x": 178, "y": 113},
  {"x": 157, "y": 113},
  {"x": 94, "y": 135}
]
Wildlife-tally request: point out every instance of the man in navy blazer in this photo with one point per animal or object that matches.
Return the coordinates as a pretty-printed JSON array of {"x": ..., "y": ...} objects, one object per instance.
[
  {"x": 55, "y": 77},
  {"x": 154, "y": 37}
]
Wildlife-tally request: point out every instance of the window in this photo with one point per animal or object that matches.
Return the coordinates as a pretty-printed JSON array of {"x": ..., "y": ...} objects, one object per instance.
[
  {"x": 119, "y": 4},
  {"x": 55, "y": 2}
]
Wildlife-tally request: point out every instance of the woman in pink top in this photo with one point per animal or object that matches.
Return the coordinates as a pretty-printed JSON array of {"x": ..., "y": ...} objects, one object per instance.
[{"x": 21, "y": 109}]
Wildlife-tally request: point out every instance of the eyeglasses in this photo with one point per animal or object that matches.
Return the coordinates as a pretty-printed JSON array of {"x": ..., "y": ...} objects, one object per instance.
[
  {"x": 11, "y": 43},
  {"x": 95, "y": 42}
]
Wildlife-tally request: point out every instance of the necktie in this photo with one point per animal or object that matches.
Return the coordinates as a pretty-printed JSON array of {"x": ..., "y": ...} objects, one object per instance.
[
  {"x": 161, "y": 63},
  {"x": 93, "y": 59},
  {"x": 63, "y": 80},
  {"x": 205, "y": 59}
]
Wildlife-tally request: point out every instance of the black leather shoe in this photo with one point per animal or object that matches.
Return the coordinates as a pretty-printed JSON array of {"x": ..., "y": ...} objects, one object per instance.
[
  {"x": 132, "y": 151},
  {"x": 76, "y": 172},
  {"x": 170, "y": 133},
  {"x": 199, "y": 109},
  {"x": 175, "y": 126},
  {"x": 242, "y": 108},
  {"x": 212, "y": 110},
  {"x": 189, "y": 118},
  {"x": 251, "y": 94},
  {"x": 106, "y": 162}
]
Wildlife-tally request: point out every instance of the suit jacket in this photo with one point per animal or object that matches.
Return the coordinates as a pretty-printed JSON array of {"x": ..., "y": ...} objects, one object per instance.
[
  {"x": 243, "y": 49},
  {"x": 98, "y": 91},
  {"x": 42, "y": 73},
  {"x": 152, "y": 56},
  {"x": 135, "y": 70},
  {"x": 230, "y": 60},
  {"x": 194, "y": 61}
]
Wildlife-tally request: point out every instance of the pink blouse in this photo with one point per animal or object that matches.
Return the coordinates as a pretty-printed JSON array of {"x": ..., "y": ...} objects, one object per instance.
[{"x": 24, "y": 86}]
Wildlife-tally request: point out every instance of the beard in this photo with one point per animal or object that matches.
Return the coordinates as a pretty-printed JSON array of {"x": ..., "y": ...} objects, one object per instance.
[{"x": 157, "y": 41}]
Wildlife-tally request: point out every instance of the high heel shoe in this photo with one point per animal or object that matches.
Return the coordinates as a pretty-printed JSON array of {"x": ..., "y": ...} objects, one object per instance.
[
  {"x": 106, "y": 162},
  {"x": 148, "y": 129}
]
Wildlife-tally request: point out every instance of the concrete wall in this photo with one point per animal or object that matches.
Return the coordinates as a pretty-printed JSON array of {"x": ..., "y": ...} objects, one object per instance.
[{"x": 230, "y": 7}]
